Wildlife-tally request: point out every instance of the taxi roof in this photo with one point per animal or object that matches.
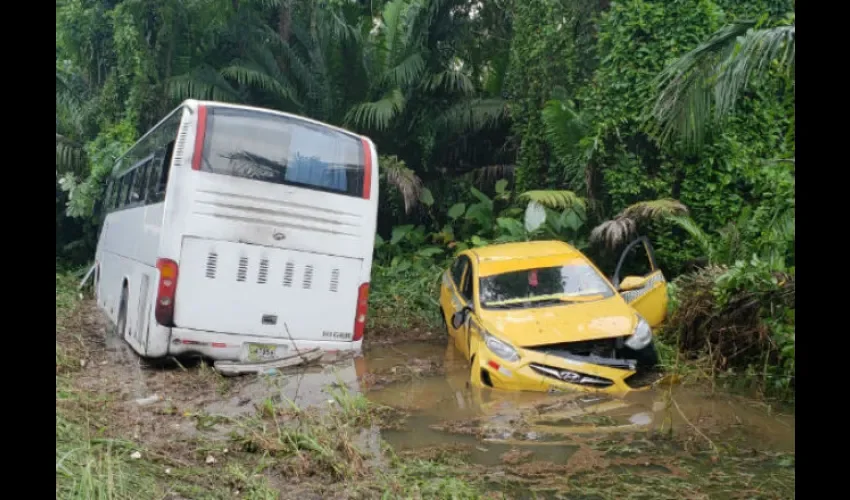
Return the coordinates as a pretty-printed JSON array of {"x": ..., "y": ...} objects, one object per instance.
[{"x": 506, "y": 257}]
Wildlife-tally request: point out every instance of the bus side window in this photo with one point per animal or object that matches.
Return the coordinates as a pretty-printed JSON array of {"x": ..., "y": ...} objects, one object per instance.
[
  {"x": 106, "y": 203},
  {"x": 136, "y": 185},
  {"x": 113, "y": 194},
  {"x": 144, "y": 173},
  {"x": 127, "y": 188},
  {"x": 163, "y": 168},
  {"x": 123, "y": 192}
]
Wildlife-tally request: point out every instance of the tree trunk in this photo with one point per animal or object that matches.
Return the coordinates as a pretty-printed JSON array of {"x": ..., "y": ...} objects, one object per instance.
[{"x": 284, "y": 21}]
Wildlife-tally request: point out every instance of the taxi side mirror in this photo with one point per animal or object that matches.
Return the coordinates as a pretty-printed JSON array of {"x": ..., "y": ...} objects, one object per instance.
[
  {"x": 632, "y": 283},
  {"x": 459, "y": 318}
]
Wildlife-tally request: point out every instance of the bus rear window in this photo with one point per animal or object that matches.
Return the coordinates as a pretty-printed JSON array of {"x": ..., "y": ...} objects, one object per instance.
[{"x": 282, "y": 150}]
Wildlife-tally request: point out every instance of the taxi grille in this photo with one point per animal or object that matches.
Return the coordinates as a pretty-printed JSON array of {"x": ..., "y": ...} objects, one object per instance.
[{"x": 570, "y": 376}]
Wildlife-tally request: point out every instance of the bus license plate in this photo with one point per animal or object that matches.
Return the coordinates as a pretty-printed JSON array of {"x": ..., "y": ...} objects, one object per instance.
[{"x": 261, "y": 352}]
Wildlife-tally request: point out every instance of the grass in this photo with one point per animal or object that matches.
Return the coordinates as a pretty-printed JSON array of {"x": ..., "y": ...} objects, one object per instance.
[
  {"x": 404, "y": 298},
  {"x": 427, "y": 479},
  {"x": 88, "y": 464},
  {"x": 92, "y": 467},
  {"x": 281, "y": 449}
]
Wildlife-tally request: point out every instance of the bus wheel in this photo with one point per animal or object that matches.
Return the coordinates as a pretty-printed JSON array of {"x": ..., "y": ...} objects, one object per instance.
[{"x": 121, "y": 324}]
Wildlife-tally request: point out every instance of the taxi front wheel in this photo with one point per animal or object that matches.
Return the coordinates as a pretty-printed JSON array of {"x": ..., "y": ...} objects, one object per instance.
[{"x": 646, "y": 357}]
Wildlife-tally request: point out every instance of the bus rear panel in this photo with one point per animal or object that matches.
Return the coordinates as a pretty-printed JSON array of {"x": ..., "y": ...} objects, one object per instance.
[{"x": 266, "y": 236}]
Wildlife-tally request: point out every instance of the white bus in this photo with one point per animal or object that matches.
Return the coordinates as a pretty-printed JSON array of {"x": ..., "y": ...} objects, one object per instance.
[{"x": 239, "y": 233}]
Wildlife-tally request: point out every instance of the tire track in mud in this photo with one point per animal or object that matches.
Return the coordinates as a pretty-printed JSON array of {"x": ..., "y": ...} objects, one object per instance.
[{"x": 120, "y": 353}]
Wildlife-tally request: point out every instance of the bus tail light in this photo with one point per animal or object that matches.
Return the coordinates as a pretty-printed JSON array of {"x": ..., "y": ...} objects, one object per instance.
[
  {"x": 164, "y": 310},
  {"x": 362, "y": 309},
  {"x": 367, "y": 169},
  {"x": 200, "y": 134}
]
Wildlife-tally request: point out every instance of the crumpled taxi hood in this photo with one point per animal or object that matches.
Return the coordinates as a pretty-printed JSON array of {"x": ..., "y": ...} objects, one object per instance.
[{"x": 576, "y": 322}]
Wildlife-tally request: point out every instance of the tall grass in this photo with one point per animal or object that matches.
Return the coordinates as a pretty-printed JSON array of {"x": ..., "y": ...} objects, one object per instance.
[
  {"x": 404, "y": 296},
  {"x": 95, "y": 461},
  {"x": 88, "y": 466},
  {"x": 93, "y": 468}
]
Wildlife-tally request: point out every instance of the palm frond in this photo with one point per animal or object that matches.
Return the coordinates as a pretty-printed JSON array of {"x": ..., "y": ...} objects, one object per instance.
[
  {"x": 554, "y": 199},
  {"x": 566, "y": 130},
  {"x": 473, "y": 115},
  {"x": 248, "y": 74},
  {"x": 392, "y": 29},
  {"x": 338, "y": 27},
  {"x": 451, "y": 80},
  {"x": 298, "y": 67},
  {"x": 654, "y": 209},
  {"x": 614, "y": 233},
  {"x": 376, "y": 115},
  {"x": 694, "y": 231},
  {"x": 751, "y": 59},
  {"x": 491, "y": 173},
  {"x": 203, "y": 82},
  {"x": 564, "y": 127},
  {"x": 406, "y": 72},
  {"x": 404, "y": 179},
  {"x": 714, "y": 73}
]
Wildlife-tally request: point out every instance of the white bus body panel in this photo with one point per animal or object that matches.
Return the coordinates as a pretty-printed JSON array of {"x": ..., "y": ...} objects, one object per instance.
[
  {"x": 126, "y": 254},
  {"x": 265, "y": 291},
  {"x": 268, "y": 233}
]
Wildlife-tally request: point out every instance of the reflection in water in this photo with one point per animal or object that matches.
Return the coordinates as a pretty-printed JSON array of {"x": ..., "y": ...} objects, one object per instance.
[{"x": 430, "y": 382}]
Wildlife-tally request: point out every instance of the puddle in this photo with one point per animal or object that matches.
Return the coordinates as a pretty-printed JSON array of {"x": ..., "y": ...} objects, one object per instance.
[
  {"x": 304, "y": 387},
  {"x": 428, "y": 381}
]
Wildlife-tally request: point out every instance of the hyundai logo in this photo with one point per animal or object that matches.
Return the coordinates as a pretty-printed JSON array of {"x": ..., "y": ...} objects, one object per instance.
[
  {"x": 278, "y": 236},
  {"x": 568, "y": 376}
]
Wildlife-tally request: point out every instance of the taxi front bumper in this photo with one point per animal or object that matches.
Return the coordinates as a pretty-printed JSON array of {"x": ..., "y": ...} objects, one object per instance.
[{"x": 540, "y": 372}]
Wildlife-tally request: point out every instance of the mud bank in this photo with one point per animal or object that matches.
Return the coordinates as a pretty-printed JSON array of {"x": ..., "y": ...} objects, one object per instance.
[{"x": 323, "y": 430}]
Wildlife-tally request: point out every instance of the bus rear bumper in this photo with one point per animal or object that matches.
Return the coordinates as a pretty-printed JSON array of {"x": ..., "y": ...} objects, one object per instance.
[{"x": 233, "y": 347}]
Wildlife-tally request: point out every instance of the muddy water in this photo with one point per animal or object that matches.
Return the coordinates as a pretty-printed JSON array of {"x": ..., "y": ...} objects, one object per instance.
[{"x": 429, "y": 382}]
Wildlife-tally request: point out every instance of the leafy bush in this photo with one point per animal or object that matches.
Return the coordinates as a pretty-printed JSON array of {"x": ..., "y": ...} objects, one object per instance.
[{"x": 741, "y": 320}]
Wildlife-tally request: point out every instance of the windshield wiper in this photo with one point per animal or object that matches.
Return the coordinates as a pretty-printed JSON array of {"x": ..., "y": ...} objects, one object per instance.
[{"x": 524, "y": 302}]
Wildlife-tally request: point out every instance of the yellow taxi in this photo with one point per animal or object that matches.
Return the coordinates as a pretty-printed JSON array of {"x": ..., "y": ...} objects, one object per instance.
[{"x": 540, "y": 316}]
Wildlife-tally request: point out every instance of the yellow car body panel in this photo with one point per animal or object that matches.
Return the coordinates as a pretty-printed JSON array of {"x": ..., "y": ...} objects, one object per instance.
[{"x": 538, "y": 326}]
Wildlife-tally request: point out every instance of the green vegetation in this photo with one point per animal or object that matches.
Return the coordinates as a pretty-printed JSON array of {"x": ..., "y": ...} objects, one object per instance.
[
  {"x": 585, "y": 121},
  {"x": 96, "y": 457},
  {"x": 595, "y": 115}
]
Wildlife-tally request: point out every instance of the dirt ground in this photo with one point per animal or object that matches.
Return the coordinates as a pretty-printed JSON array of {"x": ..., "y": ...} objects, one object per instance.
[{"x": 187, "y": 419}]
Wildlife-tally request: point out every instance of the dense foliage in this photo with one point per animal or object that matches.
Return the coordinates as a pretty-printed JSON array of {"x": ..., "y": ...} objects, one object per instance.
[{"x": 669, "y": 117}]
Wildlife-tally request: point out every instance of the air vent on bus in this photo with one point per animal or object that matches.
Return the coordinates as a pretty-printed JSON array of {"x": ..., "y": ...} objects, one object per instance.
[
  {"x": 180, "y": 146},
  {"x": 242, "y": 274},
  {"x": 287, "y": 274},
  {"x": 308, "y": 277},
  {"x": 212, "y": 264},
  {"x": 264, "y": 271},
  {"x": 334, "y": 280}
]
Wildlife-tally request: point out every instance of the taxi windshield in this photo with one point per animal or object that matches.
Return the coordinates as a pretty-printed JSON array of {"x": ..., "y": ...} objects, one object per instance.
[{"x": 536, "y": 287}]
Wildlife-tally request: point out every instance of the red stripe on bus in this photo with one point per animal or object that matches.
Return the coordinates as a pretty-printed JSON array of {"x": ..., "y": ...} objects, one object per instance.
[
  {"x": 367, "y": 169},
  {"x": 199, "y": 137}
]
